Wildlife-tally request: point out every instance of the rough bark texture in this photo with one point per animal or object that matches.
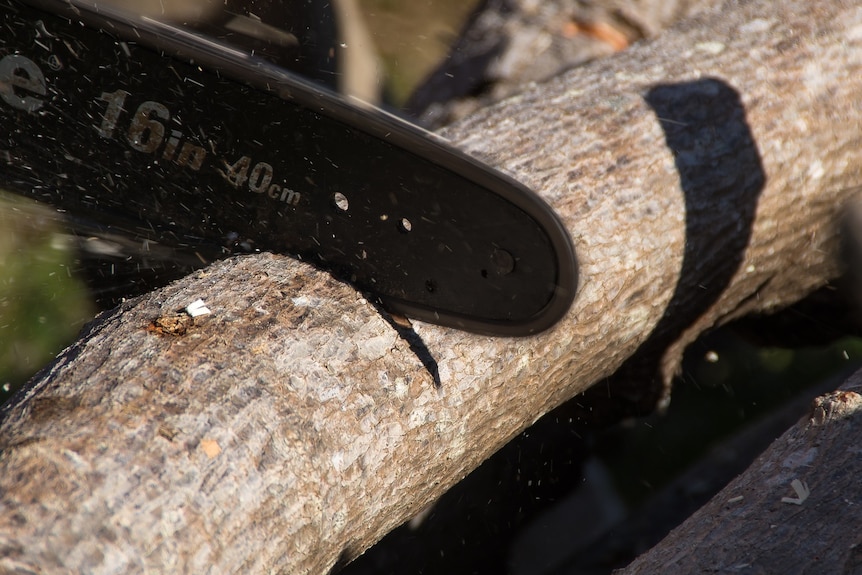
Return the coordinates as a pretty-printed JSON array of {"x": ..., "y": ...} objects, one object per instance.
[
  {"x": 701, "y": 177},
  {"x": 752, "y": 528}
]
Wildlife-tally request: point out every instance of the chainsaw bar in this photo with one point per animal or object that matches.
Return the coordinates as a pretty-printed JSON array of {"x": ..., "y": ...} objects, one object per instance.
[{"x": 173, "y": 138}]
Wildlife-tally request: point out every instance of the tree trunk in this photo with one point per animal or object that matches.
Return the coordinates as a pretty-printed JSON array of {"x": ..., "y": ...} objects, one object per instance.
[
  {"x": 701, "y": 176},
  {"x": 764, "y": 523}
]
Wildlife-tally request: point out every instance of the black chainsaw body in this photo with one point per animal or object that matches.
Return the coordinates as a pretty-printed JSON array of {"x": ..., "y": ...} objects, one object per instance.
[{"x": 179, "y": 137}]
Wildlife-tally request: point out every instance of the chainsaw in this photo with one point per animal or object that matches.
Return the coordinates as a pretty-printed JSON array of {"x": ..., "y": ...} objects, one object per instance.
[{"x": 193, "y": 134}]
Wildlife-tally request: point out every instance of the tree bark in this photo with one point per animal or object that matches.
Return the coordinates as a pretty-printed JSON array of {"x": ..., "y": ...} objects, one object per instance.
[
  {"x": 701, "y": 176},
  {"x": 761, "y": 523},
  {"x": 506, "y": 44}
]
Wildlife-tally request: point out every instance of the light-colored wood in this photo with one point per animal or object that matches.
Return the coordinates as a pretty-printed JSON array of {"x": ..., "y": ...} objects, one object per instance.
[
  {"x": 795, "y": 510},
  {"x": 292, "y": 428}
]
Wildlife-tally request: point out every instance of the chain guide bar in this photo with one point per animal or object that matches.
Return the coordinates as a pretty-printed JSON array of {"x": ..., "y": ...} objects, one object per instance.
[{"x": 184, "y": 138}]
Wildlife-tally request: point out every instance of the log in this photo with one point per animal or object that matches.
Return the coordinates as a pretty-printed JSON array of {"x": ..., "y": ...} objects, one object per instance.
[
  {"x": 701, "y": 176},
  {"x": 795, "y": 510},
  {"x": 506, "y": 44}
]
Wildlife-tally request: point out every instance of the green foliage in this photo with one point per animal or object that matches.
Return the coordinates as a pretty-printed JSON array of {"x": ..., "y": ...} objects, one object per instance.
[
  {"x": 411, "y": 38},
  {"x": 42, "y": 305},
  {"x": 727, "y": 384}
]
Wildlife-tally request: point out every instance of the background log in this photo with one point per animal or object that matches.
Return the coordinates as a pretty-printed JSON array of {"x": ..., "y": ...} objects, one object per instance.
[
  {"x": 701, "y": 176},
  {"x": 760, "y": 523},
  {"x": 506, "y": 44}
]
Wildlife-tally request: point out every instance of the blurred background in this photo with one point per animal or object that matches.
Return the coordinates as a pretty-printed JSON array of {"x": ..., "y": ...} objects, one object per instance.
[{"x": 567, "y": 496}]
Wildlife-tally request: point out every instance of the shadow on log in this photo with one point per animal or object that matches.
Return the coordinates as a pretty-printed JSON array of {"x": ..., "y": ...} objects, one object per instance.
[{"x": 721, "y": 177}]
